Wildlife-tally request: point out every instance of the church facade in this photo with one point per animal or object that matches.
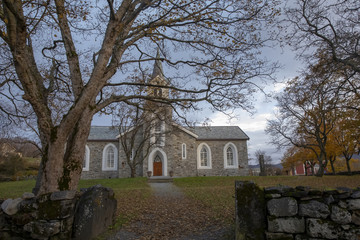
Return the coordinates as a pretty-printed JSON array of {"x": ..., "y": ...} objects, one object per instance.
[{"x": 168, "y": 148}]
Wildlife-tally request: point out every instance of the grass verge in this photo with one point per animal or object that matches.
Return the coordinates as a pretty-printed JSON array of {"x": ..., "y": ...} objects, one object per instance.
[{"x": 217, "y": 193}]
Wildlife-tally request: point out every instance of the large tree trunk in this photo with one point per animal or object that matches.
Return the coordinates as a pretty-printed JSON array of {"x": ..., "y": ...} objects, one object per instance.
[{"x": 62, "y": 159}]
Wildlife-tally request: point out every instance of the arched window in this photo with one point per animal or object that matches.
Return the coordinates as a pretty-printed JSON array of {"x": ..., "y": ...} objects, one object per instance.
[
  {"x": 183, "y": 151},
  {"x": 86, "y": 161},
  {"x": 230, "y": 156},
  {"x": 109, "y": 158},
  {"x": 204, "y": 156}
]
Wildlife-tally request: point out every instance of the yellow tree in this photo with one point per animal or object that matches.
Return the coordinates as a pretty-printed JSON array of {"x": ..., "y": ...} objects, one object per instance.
[{"x": 346, "y": 134}]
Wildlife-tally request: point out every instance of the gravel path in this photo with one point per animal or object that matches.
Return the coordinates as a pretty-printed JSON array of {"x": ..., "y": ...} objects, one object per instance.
[
  {"x": 170, "y": 215},
  {"x": 166, "y": 190}
]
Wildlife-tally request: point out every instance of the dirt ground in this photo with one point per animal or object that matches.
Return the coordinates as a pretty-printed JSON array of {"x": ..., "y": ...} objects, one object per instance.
[{"x": 170, "y": 215}]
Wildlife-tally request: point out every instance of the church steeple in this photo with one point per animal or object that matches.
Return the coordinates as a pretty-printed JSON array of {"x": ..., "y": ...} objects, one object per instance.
[
  {"x": 158, "y": 69},
  {"x": 159, "y": 90}
]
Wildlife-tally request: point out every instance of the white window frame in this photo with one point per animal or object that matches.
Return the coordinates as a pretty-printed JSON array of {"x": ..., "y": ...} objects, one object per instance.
[
  {"x": 87, "y": 158},
  {"x": 104, "y": 158},
  {"x": 199, "y": 148},
  {"x": 183, "y": 151},
  {"x": 235, "y": 155}
]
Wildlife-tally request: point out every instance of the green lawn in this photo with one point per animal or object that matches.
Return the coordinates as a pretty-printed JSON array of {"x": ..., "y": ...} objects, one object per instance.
[
  {"x": 216, "y": 193},
  {"x": 120, "y": 186}
]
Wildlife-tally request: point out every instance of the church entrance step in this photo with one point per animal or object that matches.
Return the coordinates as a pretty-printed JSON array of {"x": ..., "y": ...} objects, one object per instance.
[{"x": 159, "y": 179}]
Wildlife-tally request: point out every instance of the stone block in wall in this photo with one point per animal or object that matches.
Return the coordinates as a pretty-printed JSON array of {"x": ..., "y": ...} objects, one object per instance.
[
  {"x": 355, "y": 217},
  {"x": 315, "y": 193},
  {"x": 302, "y": 237},
  {"x": 350, "y": 234},
  {"x": 95, "y": 212},
  {"x": 271, "y": 196},
  {"x": 340, "y": 215},
  {"x": 328, "y": 199},
  {"x": 43, "y": 229},
  {"x": 28, "y": 195},
  {"x": 355, "y": 194},
  {"x": 250, "y": 211},
  {"x": 28, "y": 205},
  {"x": 56, "y": 209},
  {"x": 279, "y": 236},
  {"x": 314, "y": 209},
  {"x": 278, "y": 190},
  {"x": 62, "y": 195},
  {"x": 353, "y": 204},
  {"x": 286, "y": 225},
  {"x": 23, "y": 218},
  {"x": 3, "y": 223},
  {"x": 282, "y": 207},
  {"x": 342, "y": 204},
  {"x": 320, "y": 228}
]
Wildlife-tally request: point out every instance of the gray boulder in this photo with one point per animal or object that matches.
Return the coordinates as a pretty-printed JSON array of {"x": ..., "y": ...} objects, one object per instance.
[
  {"x": 11, "y": 206},
  {"x": 95, "y": 212}
]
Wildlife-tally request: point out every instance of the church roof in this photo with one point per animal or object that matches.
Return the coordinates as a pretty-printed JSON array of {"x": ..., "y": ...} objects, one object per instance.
[
  {"x": 204, "y": 133},
  {"x": 103, "y": 133},
  {"x": 219, "y": 133}
]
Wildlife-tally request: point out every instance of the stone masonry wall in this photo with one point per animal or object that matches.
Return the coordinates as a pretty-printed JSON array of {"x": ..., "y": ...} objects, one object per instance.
[
  {"x": 217, "y": 159},
  {"x": 58, "y": 215},
  {"x": 96, "y": 156},
  {"x": 302, "y": 213}
]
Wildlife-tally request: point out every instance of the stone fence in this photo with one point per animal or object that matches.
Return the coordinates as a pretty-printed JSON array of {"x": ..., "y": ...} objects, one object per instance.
[
  {"x": 299, "y": 213},
  {"x": 58, "y": 215}
]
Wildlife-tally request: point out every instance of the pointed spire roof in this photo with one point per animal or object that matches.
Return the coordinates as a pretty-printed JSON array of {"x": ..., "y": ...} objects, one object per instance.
[{"x": 158, "y": 69}]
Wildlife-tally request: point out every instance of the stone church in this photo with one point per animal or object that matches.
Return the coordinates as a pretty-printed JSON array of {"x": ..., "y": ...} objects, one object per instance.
[{"x": 170, "y": 149}]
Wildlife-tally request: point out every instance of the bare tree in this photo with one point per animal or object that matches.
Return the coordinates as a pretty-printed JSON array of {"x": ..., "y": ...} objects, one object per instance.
[
  {"x": 325, "y": 34},
  {"x": 67, "y": 60},
  {"x": 332, "y": 26}
]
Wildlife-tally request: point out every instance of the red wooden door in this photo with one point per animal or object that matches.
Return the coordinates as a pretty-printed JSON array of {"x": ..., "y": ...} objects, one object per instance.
[{"x": 157, "y": 166}]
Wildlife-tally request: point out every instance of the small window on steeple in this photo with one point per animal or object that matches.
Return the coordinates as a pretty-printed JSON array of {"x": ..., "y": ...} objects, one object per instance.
[{"x": 157, "y": 92}]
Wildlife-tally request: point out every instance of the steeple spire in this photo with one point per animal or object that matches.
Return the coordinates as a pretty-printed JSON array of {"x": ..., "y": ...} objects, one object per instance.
[{"x": 158, "y": 69}]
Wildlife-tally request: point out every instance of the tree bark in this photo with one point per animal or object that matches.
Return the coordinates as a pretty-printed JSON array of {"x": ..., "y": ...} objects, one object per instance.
[
  {"x": 133, "y": 173},
  {"x": 332, "y": 165},
  {"x": 348, "y": 164},
  {"x": 62, "y": 159}
]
